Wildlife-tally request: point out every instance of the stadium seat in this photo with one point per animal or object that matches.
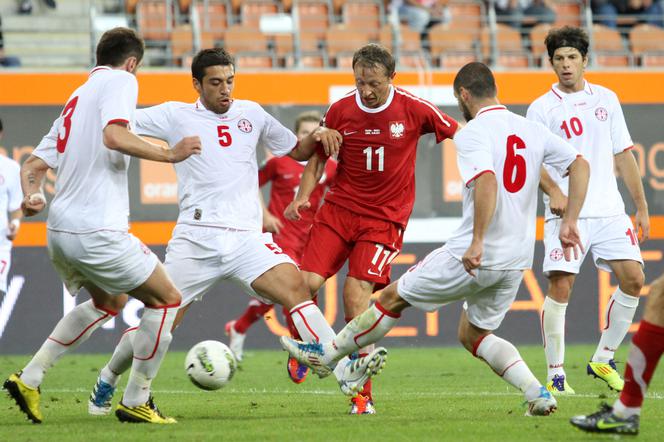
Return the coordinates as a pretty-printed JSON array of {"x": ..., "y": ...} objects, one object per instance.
[
  {"x": 506, "y": 39},
  {"x": 652, "y": 60},
  {"x": 249, "y": 45},
  {"x": 568, "y": 12},
  {"x": 341, "y": 42},
  {"x": 410, "y": 53},
  {"x": 250, "y": 61},
  {"x": 518, "y": 60},
  {"x": 451, "y": 44},
  {"x": 155, "y": 20},
  {"x": 185, "y": 6},
  {"x": 214, "y": 17},
  {"x": 182, "y": 43},
  {"x": 251, "y": 11},
  {"x": 313, "y": 16},
  {"x": 646, "y": 40},
  {"x": 416, "y": 61},
  {"x": 363, "y": 14},
  {"x": 283, "y": 47},
  {"x": 455, "y": 61},
  {"x": 537, "y": 47},
  {"x": 608, "y": 47},
  {"x": 466, "y": 14}
]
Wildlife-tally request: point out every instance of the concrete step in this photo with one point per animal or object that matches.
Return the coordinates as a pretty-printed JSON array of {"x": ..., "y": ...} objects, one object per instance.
[
  {"x": 29, "y": 23},
  {"x": 55, "y": 60}
]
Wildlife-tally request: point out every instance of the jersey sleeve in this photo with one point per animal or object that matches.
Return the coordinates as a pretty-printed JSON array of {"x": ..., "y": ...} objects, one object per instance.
[
  {"x": 435, "y": 121},
  {"x": 534, "y": 113},
  {"x": 474, "y": 155},
  {"x": 46, "y": 150},
  {"x": 153, "y": 121},
  {"x": 620, "y": 136},
  {"x": 558, "y": 153},
  {"x": 118, "y": 100},
  {"x": 267, "y": 172},
  {"x": 14, "y": 191},
  {"x": 276, "y": 137}
]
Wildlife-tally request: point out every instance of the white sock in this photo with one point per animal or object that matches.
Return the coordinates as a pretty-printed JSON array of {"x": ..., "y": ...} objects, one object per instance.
[
  {"x": 121, "y": 359},
  {"x": 311, "y": 323},
  {"x": 72, "y": 330},
  {"x": 506, "y": 361},
  {"x": 619, "y": 314},
  {"x": 151, "y": 341},
  {"x": 553, "y": 336},
  {"x": 365, "y": 329},
  {"x": 623, "y": 411}
]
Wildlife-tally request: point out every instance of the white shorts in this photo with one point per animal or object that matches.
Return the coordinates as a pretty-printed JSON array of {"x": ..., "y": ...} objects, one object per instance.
[
  {"x": 116, "y": 262},
  {"x": 198, "y": 257},
  {"x": 440, "y": 279},
  {"x": 608, "y": 239},
  {"x": 5, "y": 265}
]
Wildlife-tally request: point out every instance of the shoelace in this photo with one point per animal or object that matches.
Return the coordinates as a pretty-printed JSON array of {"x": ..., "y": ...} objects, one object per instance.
[{"x": 311, "y": 347}]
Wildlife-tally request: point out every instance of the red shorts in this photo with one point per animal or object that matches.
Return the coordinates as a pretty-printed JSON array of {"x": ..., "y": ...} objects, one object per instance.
[{"x": 369, "y": 244}]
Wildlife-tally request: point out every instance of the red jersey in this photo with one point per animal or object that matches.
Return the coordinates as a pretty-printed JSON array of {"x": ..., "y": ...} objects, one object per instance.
[
  {"x": 285, "y": 174},
  {"x": 376, "y": 174}
]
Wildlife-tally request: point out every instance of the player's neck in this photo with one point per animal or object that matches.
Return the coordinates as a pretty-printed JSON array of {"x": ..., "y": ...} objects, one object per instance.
[
  {"x": 481, "y": 104},
  {"x": 576, "y": 87}
]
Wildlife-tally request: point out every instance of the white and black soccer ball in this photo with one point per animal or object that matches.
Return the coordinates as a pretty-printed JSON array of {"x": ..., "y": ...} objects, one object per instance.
[{"x": 210, "y": 365}]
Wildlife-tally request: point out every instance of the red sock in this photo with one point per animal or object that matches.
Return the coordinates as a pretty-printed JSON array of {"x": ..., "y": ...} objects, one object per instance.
[
  {"x": 647, "y": 347},
  {"x": 252, "y": 314},
  {"x": 366, "y": 391}
]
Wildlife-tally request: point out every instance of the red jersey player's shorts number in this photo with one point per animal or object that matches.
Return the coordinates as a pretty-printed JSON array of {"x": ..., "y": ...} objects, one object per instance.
[
  {"x": 382, "y": 257},
  {"x": 225, "y": 138},
  {"x": 575, "y": 125},
  {"x": 275, "y": 248},
  {"x": 514, "y": 171},
  {"x": 67, "y": 113}
]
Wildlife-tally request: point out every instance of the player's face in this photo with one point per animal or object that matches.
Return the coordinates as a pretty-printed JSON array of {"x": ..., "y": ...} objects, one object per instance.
[
  {"x": 569, "y": 64},
  {"x": 373, "y": 84},
  {"x": 306, "y": 127},
  {"x": 216, "y": 92}
]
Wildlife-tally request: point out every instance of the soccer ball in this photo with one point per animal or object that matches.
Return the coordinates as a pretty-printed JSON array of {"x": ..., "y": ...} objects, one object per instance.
[{"x": 210, "y": 365}]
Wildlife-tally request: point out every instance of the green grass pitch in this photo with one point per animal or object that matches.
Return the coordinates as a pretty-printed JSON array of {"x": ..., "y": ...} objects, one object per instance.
[{"x": 422, "y": 394}]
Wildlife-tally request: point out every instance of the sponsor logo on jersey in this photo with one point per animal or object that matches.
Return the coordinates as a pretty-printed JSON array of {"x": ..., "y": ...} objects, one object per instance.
[
  {"x": 397, "y": 129},
  {"x": 371, "y": 131},
  {"x": 349, "y": 132},
  {"x": 556, "y": 254},
  {"x": 245, "y": 125},
  {"x": 601, "y": 114}
]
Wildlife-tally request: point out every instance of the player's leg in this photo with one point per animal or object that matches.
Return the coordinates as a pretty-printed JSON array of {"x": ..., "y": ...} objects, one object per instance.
[
  {"x": 236, "y": 329},
  {"x": 483, "y": 312},
  {"x": 72, "y": 330},
  {"x": 615, "y": 249},
  {"x": 644, "y": 354},
  {"x": 561, "y": 275}
]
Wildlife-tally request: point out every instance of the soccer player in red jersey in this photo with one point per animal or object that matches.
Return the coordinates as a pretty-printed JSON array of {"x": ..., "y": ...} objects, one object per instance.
[
  {"x": 284, "y": 173},
  {"x": 367, "y": 208}
]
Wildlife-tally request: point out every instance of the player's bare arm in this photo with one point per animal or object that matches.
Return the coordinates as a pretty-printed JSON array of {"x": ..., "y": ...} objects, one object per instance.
[
  {"x": 629, "y": 171},
  {"x": 14, "y": 224},
  {"x": 329, "y": 138},
  {"x": 33, "y": 172},
  {"x": 271, "y": 223},
  {"x": 557, "y": 199},
  {"x": 312, "y": 173},
  {"x": 570, "y": 238},
  {"x": 119, "y": 137},
  {"x": 486, "y": 188}
]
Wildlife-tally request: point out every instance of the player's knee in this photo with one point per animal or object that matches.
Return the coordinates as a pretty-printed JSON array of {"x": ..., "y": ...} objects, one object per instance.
[
  {"x": 172, "y": 296},
  {"x": 632, "y": 282},
  {"x": 560, "y": 289},
  {"x": 111, "y": 303}
]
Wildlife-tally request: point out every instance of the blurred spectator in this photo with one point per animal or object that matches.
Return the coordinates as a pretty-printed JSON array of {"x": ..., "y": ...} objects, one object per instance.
[
  {"x": 6, "y": 61},
  {"x": 524, "y": 13},
  {"x": 643, "y": 11},
  {"x": 25, "y": 6},
  {"x": 419, "y": 14}
]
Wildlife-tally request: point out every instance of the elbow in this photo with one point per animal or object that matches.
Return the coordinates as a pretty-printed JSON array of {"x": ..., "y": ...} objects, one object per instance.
[{"x": 112, "y": 136}]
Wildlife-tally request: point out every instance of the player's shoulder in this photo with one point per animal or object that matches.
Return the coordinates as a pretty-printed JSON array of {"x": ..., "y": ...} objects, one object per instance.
[
  {"x": 343, "y": 102},
  {"x": 545, "y": 101},
  {"x": 9, "y": 163},
  {"x": 603, "y": 92}
]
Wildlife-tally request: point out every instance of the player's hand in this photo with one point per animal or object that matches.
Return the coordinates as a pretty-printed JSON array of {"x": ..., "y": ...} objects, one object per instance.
[
  {"x": 570, "y": 238},
  {"x": 642, "y": 225},
  {"x": 558, "y": 203},
  {"x": 12, "y": 230},
  {"x": 330, "y": 139},
  {"x": 473, "y": 257},
  {"x": 292, "y": 212},
  {"x": 33, "y": 204},
  {"x": 271, "y": 223},
  {"x": 187, "y": 147}
]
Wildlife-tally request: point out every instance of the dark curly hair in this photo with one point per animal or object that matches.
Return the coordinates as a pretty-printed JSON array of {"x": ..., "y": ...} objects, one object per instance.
[
  {"x": 567, "y": 36},
  {"x": 210, "y": 57}
]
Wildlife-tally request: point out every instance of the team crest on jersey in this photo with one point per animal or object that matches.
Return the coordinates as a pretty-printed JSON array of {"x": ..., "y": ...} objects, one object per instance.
[
  {"x": 245, "y": 125},
  {"x": 601, "y": 114},
  {"x": 556, "y": 254},
  {"x": 397, "y": 129}
]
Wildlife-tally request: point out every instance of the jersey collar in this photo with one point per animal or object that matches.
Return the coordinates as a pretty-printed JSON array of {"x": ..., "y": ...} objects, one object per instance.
[
  {"x": 201, "y": 108},
  {"x": 99, "y": 68},
  {"x": 370, "y": 110},
  {"x": 560, "y": 94},
  {"x": 492, "y": 107}
]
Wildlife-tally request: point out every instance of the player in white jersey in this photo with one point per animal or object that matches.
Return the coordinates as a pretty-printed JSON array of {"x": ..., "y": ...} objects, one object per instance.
[
  {"x": 218, "y": 234},
  {"x": 90, "y": 146},
  {"x": 499, "y": 157},
  {"x": 590, "y": 118},
  {"x": 10, "y": 211}
]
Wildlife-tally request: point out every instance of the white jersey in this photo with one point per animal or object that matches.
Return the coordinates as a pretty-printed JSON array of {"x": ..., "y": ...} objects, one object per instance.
[
  {"x": 11, "y": 195},
  {"x": 219, "y": 187},
  {"x": 592, "y": 121},
  {"x": 91, "y": 191},
  {"x": 514, "y": 149}
]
